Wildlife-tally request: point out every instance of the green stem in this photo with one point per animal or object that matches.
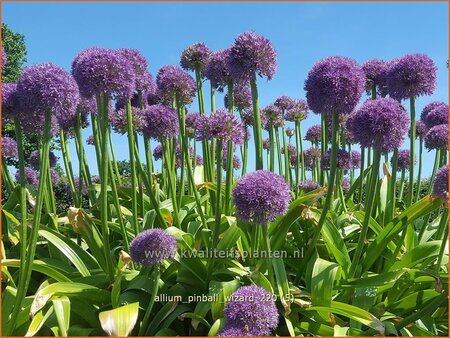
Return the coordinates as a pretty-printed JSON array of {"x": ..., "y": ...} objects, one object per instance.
[
  {"x": 113, "y": 158},
  {"x": 7, "y": 175},
  {"x": 443, "y": 224},
  {"x": 299, "y": 147},
  {"x": 361, "y": 173},
  {"x": 143, "y": 329},
  {"x": 229, "y": 168},
  {"x": 257, "y": 129},
  {"x": 131, "y": 145},
  {"x": 412, "y": 146},
  {"x": 172, "y": 182},
  {"x": 280, "y": 162},
  {"x": 392, "y": 188},
  {"x": 402, "y": 185},
  {"x": 287, "y": 162},
  {"x": 302, "y": 155},
  {"x": 272, "y": 149}
]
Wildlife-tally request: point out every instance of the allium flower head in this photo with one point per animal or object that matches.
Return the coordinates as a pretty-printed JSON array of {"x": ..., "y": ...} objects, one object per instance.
[
  {"x": 440, "y": 186},
  {"x": 284, "y": 102},
  {"x": 191, "y": 119},
  {"x": 380, "y": 123},
  {"x": 343, "y": 160},
  {"x": 76, "y": 183},
  {"x": 54, "y": 176},
  {"x": 266, "y": 144},
  {"x": 9, "y": 147},
  {"x": 311, "y": 155},
  {"x": 195, "y": 57},
  {"x": 411, "y": 75},
  {"x": 273, "y": 116},
  {"x": 345, "y": 184},
  {"x": 435, "y": 116},
  {"x": 199, "y": 160},
  {"x": 31, "y": 176},
  {"x": 437, "y": 137},
  {"x": 248, "y": 117},
  {"x": 242, "y": 97},
  {"x": 290, "y": 132},
  {"x": 104, "y": 70},
  {"x": 90, "y": 140},
  {"x": 158, "y": 152},
  {"x": 258, "y": 202},
  {"x": 173, "y": 82},
  {"x": 220, "y": 125},
  {"x": 374, "y": 70},
  {"x": 217, "y": 70},
  {"x": 139, "y": 64},
  {"x": 355, "y": 157},
  {"x": 314, "y": 133},
  {"x": 297, "y": 112},
  {"x": 308, "y": 185},
  {"x": 334, "y": 85},
  {"x": 236, "y": 162},
  {"x": 252, "y": 53},
  {"x": 119, "y": 121},
  {"x": 9, "y": 101},
  {"x": 291, "y": 149},
  {"x": 430, "y": 107},
  {"x": 421, "y": 129},
  {"x": 159, "y": 122},
  {"x": 152, "y": 246},
  {"x": 4, "y": 57},
  {"x": 34, "y": 159},
  {"x": 403, "y": 160},
  {"x": 231, "y": 331},
  {"x": 250, "y": 307},
  {"x": 45, "y": 88}
]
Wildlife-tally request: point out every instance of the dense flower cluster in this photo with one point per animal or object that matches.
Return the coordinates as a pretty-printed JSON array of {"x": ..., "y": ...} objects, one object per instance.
[
  {"x": 311, "y": 155},
  {"x": 355, "y": 157},
  {"x": 173, "y": 82},
  {"x": 437, "y": 137},
  {"x": 195, "y": 57},
  {"x": 440, "y": 187},
  {"x": 9, "y": 147},
  {"x": 435, "y": 113},
  {"x": 403, "y": 160},
  {"x": 34, "y": 159},
  {"x": 119, "y": 121},
  {"x": 284, "y": 102},
  {"x": 139, "y": 64},
  {"x": 242, "y": 98},
  {"x": 31, "y": 176},
  {"x": 314, "y": 133},
  {"x": 152, "y": 246},
  {"x": 421, "y": 129},
  {"x": 308, "y": 185},
  {"x": 248, "y": 117},
  {"x": 159, "y": 122},
  {"x": 217, "y": 70},
  {"x": 9, "y": 101},
  {"x": 221, "y": 125},
  {"x": 375, "y": 71},
  {"x": 297, "y": 111},
  {"x": 273, "y": 117},
  {"x": 344, "y": 160}
]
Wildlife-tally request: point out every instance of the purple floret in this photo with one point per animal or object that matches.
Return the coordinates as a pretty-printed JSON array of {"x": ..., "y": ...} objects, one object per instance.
[
  {"x": 284, "y": 102},
  {"x": 435, "y": 115},
  {"x": 173, "y": 82},
  {"x": 248, "y": 117},
  {"x": 195, "y": 57},
  {"x": 9, "y": 147},
  {"x": 31, "y": 176},
  {"x": 297, "y": 112},
  {"x": 346, "y": 184},
  {"x": 343, "y": 160},
  {"x": 158, "y": 152},
  {"x": 314, "y": 133},
  {"x": 220, "y": 125},
  {"x": 152, "y": 246},
  {"x": 119, "y": 121},
  {"x": 34, "y": 159},
  {"x": 437, "y": 137},
  {"x": 403, "y": 160},
  {"x": 421, "y": 129},
  {"x": 242, "y": 97},
  {"x": 159, "y": 122},
  {"x": 273, "y": 116},
  {"x": 217, "y": 70},
  {"x": 258, "y": 202},
  {"x": 440, "y": 186},
  {"x": 355, "y": 157},
  {"x": 308, "y": 185},
  {"x": 375, "y": 71},
  {"x": 9, "y": 101}
]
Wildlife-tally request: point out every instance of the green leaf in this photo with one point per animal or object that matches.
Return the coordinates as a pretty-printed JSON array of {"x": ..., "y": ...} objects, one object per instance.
[
  {"x": 37, "y": 322},
  {"x": 230, "y": 237},
  {"x": 282, "y": 284},
  {"x": 322, "y": 280},
  {"x": 120, "y": 321},
  {"x": 218, "y": 324},
  {"x": 61, "y": 306},
  {"x": 41, "y": 267},
  {"x": 417, "y": 255},
  {"x": 336, "y": 245}
]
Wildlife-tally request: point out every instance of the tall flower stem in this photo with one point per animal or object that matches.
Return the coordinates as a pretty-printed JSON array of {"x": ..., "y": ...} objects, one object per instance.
[
  {"x": 229, "y": 167},
  {"x": 7, "y": 175},
  {"x": 114, "y": 160},
  {"x": 97, "y": 140},
  {"x": 300, "y": 156},
  {"x": 148, "y": 158},
  {"x": 272, "y": 148},
  {"x": 411, "y": 151},
  {"x": 280, "y": 162},
  {"x": 131, "y": 145},
  {"x": 323, "y": 144},
  {"x": 392, "y": 188},
  {"x": 361, "y": 173},
  {"x": 145, "y": 321},
  {"x": 31, "y": 248},
  {"x": 67, "y": 164},
  {"x": 402, "y": 185},
  {"x": 368, "y": 207},
  {"x": 287, "y": 162},
  {"x": 257, "y": 128},
  {"x": 266, "y": 238},
  {"x": 327, "y": 204},
  {"x": 443, "y": 224},
  {"x": 172, "y": 181}
]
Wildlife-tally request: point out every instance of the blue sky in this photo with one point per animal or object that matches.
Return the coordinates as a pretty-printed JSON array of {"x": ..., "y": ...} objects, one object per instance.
[{"x": 302, "y": 33}]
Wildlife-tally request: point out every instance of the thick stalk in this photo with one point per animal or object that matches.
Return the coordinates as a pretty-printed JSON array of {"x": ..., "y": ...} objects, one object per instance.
[
  {"x": 272, "y": 149},
  {"x": 145, "y": 321},
  {"x": 443, "y": 224},
  {"x": 229, "y": 168},
  {"x": 172, "y": 182},
  {"x": 402, "y": 185},
  {"x": 257, "y": 129},
  {"x": 287, "y": 162},
  {"x": 297, "y": 158},
  {"x": 392, "y": 188},
  {"x": 280, "y": 162},
  {"x": 361, "y": 173},
  {"x": 131, "y": 145},
  {"x": 302, "y": 155},
  {"x": 7, "y": 175},
  {"x": 412, "y": 146},
  {"x": 113, "y": 158}
]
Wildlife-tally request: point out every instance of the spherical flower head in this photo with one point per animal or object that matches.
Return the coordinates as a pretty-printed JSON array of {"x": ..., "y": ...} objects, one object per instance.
[
  {"x": 314, "y": 133},
  {"x": 158, "y": 152},
  {"x": 412, "y": 75},
  {"x": 4, "y": 57},
  {"x": 252, "y": 53},
  {"x": 430, "y": 107},
  {"x": 152, "y": 246},
  {"x": 403, "y": 160},
  {"x": 334, "y": 85},
  {"x": 217, "y": 70},
  {"x": 191, "y": 120},
  {"x": 381, "y": 123},
  {"x": 90, "y": 140},
  {"x": 273, "y": 116},
  {"x": 119, "y": 121},
  {"x": 236, "y": 163},
  {"x": 248, "y": 117},
  {"x": 290, "y": 132},
  {"x": 45, "y": 88},
  {"x": 31, "y": 176},
  {"x": 256, "y": 201},
  {"x": 195, "y": 57},
  {"x": 440, "y": 186},
  {"x": 374, "y": 70},
  {"x": 436, "y": 116},
  {"x": 251, "y": 307},
  {"x": 104, "y": 70},
  {"x": 159, "y": 122},
  {"x": 297, "y": 112},
  {"x": 139, "y": 64},
  {"x": 437, "y": 137},
  {"x": 310, "y": 155},
  {"x": 242, "y": 98},
  {"x": 54, "y": 176},
  {"x": 199, "y": 159},
  {"x": 291, "y": 149},
  {"x": 173, "y": 82},
  {"x": 421, "y": 129},
  {"x": 9, "y": 147},
  {"x": 355, "y": 157},
  {"x": 345, "y": 184},
  {"x": 34, "y": 159},
  {"x": 266, "y": 144},
  {"x": 284, "y": 102},
  {"x": 9, "y": 101},
  {"x": 231, "y": 331},
  {"x": 308, "y": 185},
  {"x": 226, "y": 127},
  {"x": 343, "y": 160}
]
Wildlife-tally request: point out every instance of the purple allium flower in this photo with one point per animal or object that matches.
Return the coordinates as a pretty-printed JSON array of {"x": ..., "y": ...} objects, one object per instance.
[
  {"x": 297, "y": 112},
  {"x": 403, "y": 160},
  {"x": 421, "y": 129},
  {"x": 258, "y": 202},
  {"x": 220, "y": 125},
  {"x": 291, "y": 149},
  {"x": 355, "y": 157},
  {"x": 435, "y": 116},
  {"x": 217, "y": 70},
  {"x": 104, "y": 70},
  {"x": 273, "y": 116},
  {"x": 284, "y": 102},
  {"x": 34, "y": 159},
  {"x": 437, "y": 137},
  {"x": 178, "y": 153},
  {"x": 191, "y": 120},
  {"x": 252, "y": 53},
  {"x": 152, "y": 246},
  {"x": 308, "y": 185},
  {"x": 334, "y": 85},
  {"x": 95, "y": 179},
  {"x": 266, "y": 144},
  {"x": 45, "y": 88},
  {"x": 195, "y": 57},
  {"x": 9, "y": 147},
  {"x": 230, "y": 331},
  {"x": 236, "y": 162},
  {"x": 380, "y": 123},
  {"x": 247, "y": 118},
  {"x": 440, "y": 186},
  {"x": 156, "y": 97},
  {"x": 345, "y": 184},
  {"x": 252, "y": 308},
  {"x": 173, "y": 82},
  {"x": 242, "y": 97},
  {"x": 159, "y": 122},
  {"x": 4, "y": 57},
  {"x": 158, "y": 152},
  {"x": 430, "y": 107},
  {"x": 411, "y": 75},
  {"x": 54, "y": 176},
  {"x": 199, "y": 159},
  {"x": 139, "y": 64},
  {"x": 290, "y": 132},
  {"x": 247, "y": 134},
  {"x": 9, "y": 101},
  {"x": 314, "y": 133},
  {"x": 119, "y": 122},
  {"x": 343, "y": 160},
  {"x": 76, "y": 183},
  {"x": 30, "y": 176},
  {"x": 375, "y": 73},
  {"x": 90, "y": 140},
  {"x": 311, "y": 155}
]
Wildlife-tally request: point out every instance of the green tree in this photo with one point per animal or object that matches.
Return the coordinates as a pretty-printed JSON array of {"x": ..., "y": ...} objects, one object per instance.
[{"x": 16, "y": 51}]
